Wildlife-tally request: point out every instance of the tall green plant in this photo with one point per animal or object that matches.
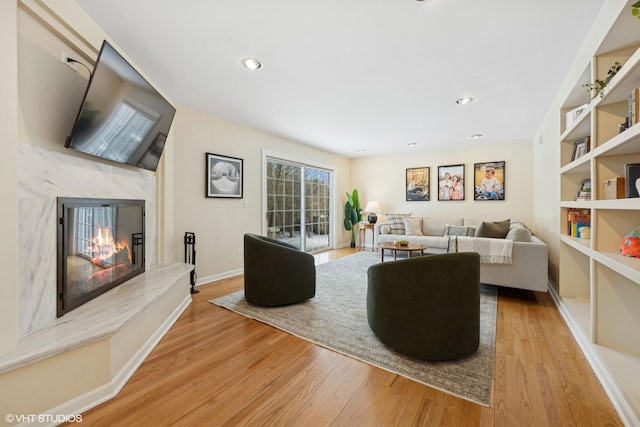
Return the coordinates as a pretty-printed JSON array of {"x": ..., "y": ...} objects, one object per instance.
[{"x": 352, "y": 214}]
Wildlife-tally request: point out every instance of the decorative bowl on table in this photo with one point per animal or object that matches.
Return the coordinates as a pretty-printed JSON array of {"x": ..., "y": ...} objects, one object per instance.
[{"x": 403, "y": 242}]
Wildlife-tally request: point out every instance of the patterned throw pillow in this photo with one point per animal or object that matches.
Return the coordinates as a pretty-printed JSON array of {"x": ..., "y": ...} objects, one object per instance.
[
  {"x": 459, "y": 230},
  {"x": 396, "y": 223}
]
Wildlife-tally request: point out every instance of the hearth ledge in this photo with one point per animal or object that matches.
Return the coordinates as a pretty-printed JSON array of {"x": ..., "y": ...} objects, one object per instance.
[{"x": 99, "y": 318}]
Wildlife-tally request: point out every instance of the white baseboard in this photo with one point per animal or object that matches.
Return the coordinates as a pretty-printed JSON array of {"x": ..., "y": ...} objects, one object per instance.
[
  {"x": 616, "y": 396},
  {"x": 219, "y": 276},
  {"x": 108, "y": 391}
]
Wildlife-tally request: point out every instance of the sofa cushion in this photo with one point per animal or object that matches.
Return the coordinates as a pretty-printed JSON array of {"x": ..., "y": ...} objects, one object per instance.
[
  {"x": 396, "y": 223},
  {"x": 495, "y": 230},
  {"x": 385, "y": 229},
  {"x": 459, "y": 230},
  {"x": 435, "y": 226},
  {"x": 413, "y": 226},
  {"x": 518, "y": 233}
]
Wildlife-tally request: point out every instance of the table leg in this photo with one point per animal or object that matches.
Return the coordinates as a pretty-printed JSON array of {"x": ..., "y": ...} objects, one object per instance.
[
  {"x": 382, "y": 252},
  {"x": 395, "y": 254}
]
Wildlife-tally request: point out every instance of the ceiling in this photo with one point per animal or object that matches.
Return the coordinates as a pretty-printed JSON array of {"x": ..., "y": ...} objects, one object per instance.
[{"x": 349, "y": 75}]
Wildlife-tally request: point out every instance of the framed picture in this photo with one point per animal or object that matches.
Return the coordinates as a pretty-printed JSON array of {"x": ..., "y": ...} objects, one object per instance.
[
  {"x": 451, "y": 182},
  {"x": 489, "y": 180},
  {"x": 224, "y": 176},
  {"x": 417, "y": 184},
  {"x": 580, "y": 148}
]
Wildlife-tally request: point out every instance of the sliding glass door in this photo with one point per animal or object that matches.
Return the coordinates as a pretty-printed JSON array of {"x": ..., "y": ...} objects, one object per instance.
[{"x": 298, "y": 204}]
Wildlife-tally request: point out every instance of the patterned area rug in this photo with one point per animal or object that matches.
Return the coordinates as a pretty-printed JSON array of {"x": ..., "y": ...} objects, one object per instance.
[{"x": 336, "y": 318}]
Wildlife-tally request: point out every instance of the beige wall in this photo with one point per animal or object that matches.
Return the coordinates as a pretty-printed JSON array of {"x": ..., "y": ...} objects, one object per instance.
[
  {"x": 383, "y": 179},
  {"x": 219, "y": 224},
  {"x": 9, "y": 177}
]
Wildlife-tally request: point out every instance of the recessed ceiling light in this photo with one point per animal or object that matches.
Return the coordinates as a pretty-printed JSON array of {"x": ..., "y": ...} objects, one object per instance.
[
  {"x": 361, "y": 150},
  {"x": 412, "y": 144},
  {"x": 476, "y": 136},
  {"x": 464, "y": 100},
  {"x": 252, "y": 63}
]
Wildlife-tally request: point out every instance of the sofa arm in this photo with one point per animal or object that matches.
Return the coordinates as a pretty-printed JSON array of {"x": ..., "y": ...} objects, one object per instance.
[{"x": 376, "y": 233}]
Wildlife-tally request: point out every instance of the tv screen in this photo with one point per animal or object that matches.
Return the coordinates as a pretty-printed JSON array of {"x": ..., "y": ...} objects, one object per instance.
[{"x": 122, "y": 117}]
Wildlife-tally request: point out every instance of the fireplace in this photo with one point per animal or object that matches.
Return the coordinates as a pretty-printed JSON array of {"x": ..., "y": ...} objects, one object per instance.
[{"x": 100, "y": 246}]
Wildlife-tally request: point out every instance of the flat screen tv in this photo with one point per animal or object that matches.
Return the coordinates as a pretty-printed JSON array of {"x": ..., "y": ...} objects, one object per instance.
[{"x": 122, "y": 117}]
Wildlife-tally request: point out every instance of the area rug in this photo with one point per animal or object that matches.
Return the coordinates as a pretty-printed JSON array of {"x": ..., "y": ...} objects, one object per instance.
[{"x": 336, "y": 318}]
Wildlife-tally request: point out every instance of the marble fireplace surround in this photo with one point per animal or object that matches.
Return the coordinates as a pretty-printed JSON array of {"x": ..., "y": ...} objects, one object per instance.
[
  {"x": 43, "y": 176},
  {"x": 101, "y": 343}
]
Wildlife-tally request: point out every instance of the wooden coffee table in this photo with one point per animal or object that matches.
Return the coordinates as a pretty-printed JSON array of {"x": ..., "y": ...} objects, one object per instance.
[{"x": 411, "y": 247}]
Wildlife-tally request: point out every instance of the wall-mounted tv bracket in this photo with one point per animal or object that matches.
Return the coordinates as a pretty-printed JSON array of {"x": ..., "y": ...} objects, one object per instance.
[{"x": 190, "y": 257}]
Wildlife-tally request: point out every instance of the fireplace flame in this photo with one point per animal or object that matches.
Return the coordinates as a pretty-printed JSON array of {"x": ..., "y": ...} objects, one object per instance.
[{"x": 105, "y": 248}]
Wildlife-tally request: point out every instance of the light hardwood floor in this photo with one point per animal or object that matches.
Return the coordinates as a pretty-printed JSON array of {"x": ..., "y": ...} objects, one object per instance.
[{"x": 215, "y": 367}]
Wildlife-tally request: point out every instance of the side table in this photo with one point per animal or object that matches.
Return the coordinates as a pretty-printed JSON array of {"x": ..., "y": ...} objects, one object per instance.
[{"x": 363, "y": 227}]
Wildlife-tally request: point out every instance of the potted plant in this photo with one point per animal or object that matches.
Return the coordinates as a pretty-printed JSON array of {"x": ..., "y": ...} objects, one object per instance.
[
  {"x": 597, "y": 87},
  {"x": 352, "y": 215}
]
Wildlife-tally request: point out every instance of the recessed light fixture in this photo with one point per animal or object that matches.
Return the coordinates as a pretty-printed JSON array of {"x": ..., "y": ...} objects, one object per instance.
[
  {"x": 252, "y": 63},
  {"x": 476, "y": 136},
  {"x": 465, "y": 100},
  {"x": 412, "y": 144},
  {"x": 361, "y": 150}
]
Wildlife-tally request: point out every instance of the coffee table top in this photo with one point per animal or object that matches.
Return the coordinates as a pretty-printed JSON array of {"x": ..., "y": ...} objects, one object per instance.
[{"x": 409, "y": 247}]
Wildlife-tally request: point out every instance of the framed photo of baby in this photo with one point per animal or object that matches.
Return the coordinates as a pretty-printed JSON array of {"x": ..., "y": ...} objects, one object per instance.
[
  {"x": 451, "y": 182},
  {"x": 489, "y": 179}
]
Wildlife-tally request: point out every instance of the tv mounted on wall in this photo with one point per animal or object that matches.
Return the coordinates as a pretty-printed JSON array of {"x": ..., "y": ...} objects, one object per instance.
[{"x": 122, "y": 117}]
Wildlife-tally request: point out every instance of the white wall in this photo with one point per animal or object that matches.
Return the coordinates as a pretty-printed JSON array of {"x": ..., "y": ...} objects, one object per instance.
[
  {"x": 383, "y": 179},
  {"x": 219, "y": 224}
]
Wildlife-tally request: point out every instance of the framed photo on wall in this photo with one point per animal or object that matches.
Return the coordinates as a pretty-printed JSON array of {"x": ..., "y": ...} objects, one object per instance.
[
  {"x": 224, "y": 176},
  {"x": 489, "y": 179},
  {"x": 417, "y": 184},
  {"x": 451, "y": 182}
]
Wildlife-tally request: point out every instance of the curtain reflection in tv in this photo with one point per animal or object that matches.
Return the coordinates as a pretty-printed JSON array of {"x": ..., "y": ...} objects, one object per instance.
[{"x": 120, "y": 135}]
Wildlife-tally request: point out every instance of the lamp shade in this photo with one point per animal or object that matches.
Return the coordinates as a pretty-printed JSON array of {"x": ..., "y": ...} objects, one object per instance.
[{"x": 373, "y": 207}]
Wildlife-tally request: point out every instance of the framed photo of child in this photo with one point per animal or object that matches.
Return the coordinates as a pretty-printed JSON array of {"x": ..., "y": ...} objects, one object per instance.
[
  {"x": 451, "y": 182},
  {"x": 489, "y": 180}
]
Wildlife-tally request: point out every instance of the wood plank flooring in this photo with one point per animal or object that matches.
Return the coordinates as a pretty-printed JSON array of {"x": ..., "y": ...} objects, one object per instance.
[{"x": 217, "y": 368}]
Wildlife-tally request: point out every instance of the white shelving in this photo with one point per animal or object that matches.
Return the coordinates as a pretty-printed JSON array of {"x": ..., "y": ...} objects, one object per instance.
[{"x": 599, "y": 289}]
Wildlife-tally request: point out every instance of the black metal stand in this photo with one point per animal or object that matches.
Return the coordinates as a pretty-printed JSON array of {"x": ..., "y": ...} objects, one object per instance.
[{"x": 190, "y": 257}]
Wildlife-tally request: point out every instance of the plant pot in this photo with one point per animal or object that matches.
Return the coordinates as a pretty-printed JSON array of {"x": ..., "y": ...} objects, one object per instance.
[{"x": 353, "y": 244}]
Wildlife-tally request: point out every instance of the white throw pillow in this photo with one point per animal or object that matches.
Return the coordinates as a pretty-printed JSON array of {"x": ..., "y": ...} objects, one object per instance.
[
  {"x": 413, "y": 226},
  {"x": 385, "y": 229}
]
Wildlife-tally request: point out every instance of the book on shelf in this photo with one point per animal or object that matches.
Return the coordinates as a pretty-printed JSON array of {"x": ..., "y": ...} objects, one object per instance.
[
  {"x": 632, "y": 113},
  {"x": 577, "y": 218}
]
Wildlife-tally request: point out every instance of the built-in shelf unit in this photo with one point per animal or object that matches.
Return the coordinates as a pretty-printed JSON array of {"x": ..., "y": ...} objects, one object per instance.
[{"x": 599, "y": 288}]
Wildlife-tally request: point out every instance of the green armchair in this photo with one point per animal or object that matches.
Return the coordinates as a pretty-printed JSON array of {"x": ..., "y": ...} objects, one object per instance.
[
  {"x": 276, "y": 273},
  {"x": 427, "y": 307}
]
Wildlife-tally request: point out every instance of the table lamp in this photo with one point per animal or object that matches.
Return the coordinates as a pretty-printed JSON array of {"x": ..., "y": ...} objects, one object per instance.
[{"x": 372, "y": 208}]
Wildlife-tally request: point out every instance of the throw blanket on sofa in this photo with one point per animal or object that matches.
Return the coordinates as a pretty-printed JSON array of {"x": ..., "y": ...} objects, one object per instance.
[{"x": 492, "y": 251}]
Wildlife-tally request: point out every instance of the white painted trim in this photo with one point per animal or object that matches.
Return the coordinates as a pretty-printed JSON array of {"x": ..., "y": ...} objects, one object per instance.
[
  {"x": 220, "y": 276},
  {"x": 616, "y": 396},
  {"x": 108, "y": 391}
]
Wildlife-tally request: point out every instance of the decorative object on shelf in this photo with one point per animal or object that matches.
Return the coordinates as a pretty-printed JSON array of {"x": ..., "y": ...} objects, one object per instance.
[
  {"x": 584, "y": 190},
  {"x": 574, "y": 114},
  {"x": 451, "y": 182},
  {"x": 580, "y": 148},
  {"x": 635, "y": 9},
  {"x": 224, "y": 176},
  {"x": 597, "y": 87},
  {"x": 417, "y": 184},
  {"x": 489, "y": 180},
  {"x": 633, "y": 108},
  {"x": 584, "y": 232},
  {"x": 577, "y": 219},
  {"x": 631, "y": 245},
  {"x": 352, "y": 215},
  {"x": 372, "y": 209},
  {"x": 632, "y": 179},
  {"x": 614, "y": 188}
]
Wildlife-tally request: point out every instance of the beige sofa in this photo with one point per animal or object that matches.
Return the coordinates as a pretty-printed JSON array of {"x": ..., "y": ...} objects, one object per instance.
[{"x": 529, "y": 257}]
